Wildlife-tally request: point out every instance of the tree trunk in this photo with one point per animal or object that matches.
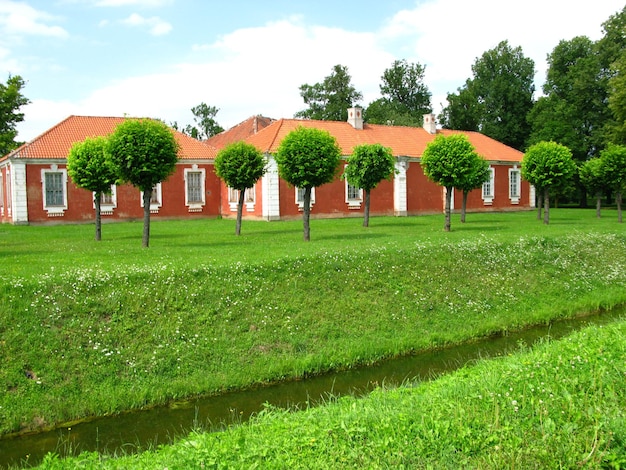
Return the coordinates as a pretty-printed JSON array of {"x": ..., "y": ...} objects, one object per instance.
[
  {"x": 145, "y": 240},
  {"x": 306, "y": 213},
  {"x": 96, "y": 202},
  {"x": 539, "y": 203},
  {"x": 618, "y": 201},
  {"x": 242, "y": 196},
  {"x": 449, "y": 190},
  {"x": 546, "y": 206},
  {"x": 598, "y": 204},
  {"x": 366, "y": 214},
  {"x": 464, "y": 206}
]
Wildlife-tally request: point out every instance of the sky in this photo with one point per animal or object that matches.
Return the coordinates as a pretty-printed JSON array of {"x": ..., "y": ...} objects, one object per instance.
[{"x": 160, "y": 58}]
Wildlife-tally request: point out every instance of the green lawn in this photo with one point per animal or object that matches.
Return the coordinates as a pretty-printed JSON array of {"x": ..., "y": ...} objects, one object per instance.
[{"x": 105, "y": 327}]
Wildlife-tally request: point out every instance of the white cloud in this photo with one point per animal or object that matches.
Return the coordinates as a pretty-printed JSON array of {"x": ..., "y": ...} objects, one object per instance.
[
  {"x": 133, "y": 3},
  {"x": 447, "y": 36},
  {"x": 155, "y": 25},
  {"x": 259, "y": 70},
  {"x": 231, "y": 75},
  {"x": 20, "y": 19}
]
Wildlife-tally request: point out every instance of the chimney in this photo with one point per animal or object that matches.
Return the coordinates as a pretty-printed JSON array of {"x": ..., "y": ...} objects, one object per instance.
[
  {"x": 355, "y": 117},
  {"x": 430, "y": 124}
]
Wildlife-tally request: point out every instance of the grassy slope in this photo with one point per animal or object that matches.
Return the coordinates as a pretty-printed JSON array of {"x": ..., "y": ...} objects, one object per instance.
[
  {"x": 107, "y": 327},
  {"x": 558, "y": 406}
]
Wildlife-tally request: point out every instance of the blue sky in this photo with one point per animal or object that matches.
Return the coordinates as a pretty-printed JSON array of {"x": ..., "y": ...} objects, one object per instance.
[{"x": 159, "y": 58}]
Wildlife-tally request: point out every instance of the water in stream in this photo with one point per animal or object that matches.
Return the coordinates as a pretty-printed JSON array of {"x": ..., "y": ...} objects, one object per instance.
[{"x": 131, "y": 431}]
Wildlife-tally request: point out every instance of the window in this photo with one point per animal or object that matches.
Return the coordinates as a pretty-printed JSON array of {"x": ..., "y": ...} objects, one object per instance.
[
  {"x": 108, "y": 202},
  {"x": 155, "y": 200},
  {"x": 194, "y": 188},
  {"x": 354, "y": 196},
  {"x": 300, "y": 197},
  {"x": 514, "y": 185},
  {"x": 54, "y": 183},
  {"x": 489, "y": 188},
  {"x": 249, "y": 199}
]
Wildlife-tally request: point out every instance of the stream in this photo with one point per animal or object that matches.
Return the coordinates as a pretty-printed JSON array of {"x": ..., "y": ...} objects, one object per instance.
[{"x": 136, "y": 430}]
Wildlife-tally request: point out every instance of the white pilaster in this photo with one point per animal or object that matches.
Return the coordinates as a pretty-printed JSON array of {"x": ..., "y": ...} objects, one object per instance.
[
  {"x": 399, "y": 188},
  {"x": 270, "y": 191},
  {"x": 19, "y": 201}
]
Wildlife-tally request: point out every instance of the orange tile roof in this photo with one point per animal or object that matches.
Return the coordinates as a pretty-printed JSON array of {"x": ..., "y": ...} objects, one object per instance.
[
  {"x": 56, "y": 142},
  {"x": 403, "y": 141},
  {"x": 241, "y": 131}
]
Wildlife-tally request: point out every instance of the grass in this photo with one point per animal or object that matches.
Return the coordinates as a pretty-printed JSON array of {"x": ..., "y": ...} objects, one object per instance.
[
  {"x": 92, "y": 328},
  {"x": 560, "y": 405}
]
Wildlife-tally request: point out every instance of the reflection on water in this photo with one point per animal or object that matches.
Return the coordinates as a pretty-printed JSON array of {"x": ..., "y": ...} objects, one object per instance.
[{"x": 134, "y": 431}]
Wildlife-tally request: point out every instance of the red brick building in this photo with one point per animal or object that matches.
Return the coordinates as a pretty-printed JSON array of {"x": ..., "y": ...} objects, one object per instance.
[
  {"x": 35, "y": 187},
  {"x": 409, "y": 193}
]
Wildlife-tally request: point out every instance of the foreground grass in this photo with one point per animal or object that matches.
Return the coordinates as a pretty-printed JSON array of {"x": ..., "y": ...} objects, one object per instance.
[
  {"x": 561, "y": 405},
  {"x": 102, "y": 328}
]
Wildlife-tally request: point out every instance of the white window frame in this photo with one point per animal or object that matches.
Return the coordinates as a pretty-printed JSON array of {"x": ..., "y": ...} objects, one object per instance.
[
  {"x": 57, "y": 210},
  {"x": 299, "y": 197},
  {"x": 488, "y": 191},
  {"x": 107, "y": 208},
  {"x": 353, "y": 202},
  {"x": 249, "y": 200},
  {"x": 515, "y": 184},
  {"x": 195, "y": 206},
  {"x": 157, "y": 198}
]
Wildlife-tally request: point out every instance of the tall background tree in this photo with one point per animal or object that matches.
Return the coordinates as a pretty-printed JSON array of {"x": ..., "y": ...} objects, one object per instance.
[
  {"x": 90, "y": 168},
  {"x": 573, "y": 110},
  {"x": 206, "y": 125},
  {"x": 497, "y": 99},
  {"x": 144, "y": 152},
  {"x": 240, "y": 165},
  {"x": 308, "y": 158},
  {"x": 11, "y": 100},
  {"x": 405, "y": 97},
  {"x": 368, "y": 165},
  {"x": 550, "y": 168},
  {"x": 449, "y": 161},
  {"x": 330, "y": 99}
]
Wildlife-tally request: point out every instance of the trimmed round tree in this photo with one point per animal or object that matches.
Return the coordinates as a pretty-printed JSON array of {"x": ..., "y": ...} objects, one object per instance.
[
  {"x": 614, "y": 170},
  {"x": 308, "y": 158},
  {"x": 240, "y": 165},
  {"x": 591, "y": 174},
  {"x": 478, "y": 174},
  {"x": 90, "y": 168},
  {"x": 368, "y": 165},
  {"x": 144, "y": 152},
  {"x": 550, "y": 168},
  {"x": 449, "y": 161}
]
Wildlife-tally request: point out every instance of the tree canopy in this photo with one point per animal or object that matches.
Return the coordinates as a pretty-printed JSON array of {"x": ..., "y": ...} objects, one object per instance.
[
  {"x": 11, "y": 100},
  {"x": 614, "y": 171},
  {"x": 591, "y": 175},
  {"x": 450, "y": 161},
  {"x": 307, "y": 158},
  {"x": 89, "y": 166},
  {"x": 144, "y": 152},
  {"x": 497, "y": 99},
  {"x": 330, "y": 99},
  {"x": 240, "y": 165},
  {"x": 368, "y": 165},
  {"x": 573, "y": 109},
  {"x": 405, "y": 97},
  {"x": 550, "y": 168}
]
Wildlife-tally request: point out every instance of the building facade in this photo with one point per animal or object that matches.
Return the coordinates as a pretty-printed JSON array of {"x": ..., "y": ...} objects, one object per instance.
[{"x": 35, "y": 186}]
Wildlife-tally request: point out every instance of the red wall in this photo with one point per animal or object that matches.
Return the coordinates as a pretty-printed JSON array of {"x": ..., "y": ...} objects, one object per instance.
[{"x": 80, "y": 201}]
